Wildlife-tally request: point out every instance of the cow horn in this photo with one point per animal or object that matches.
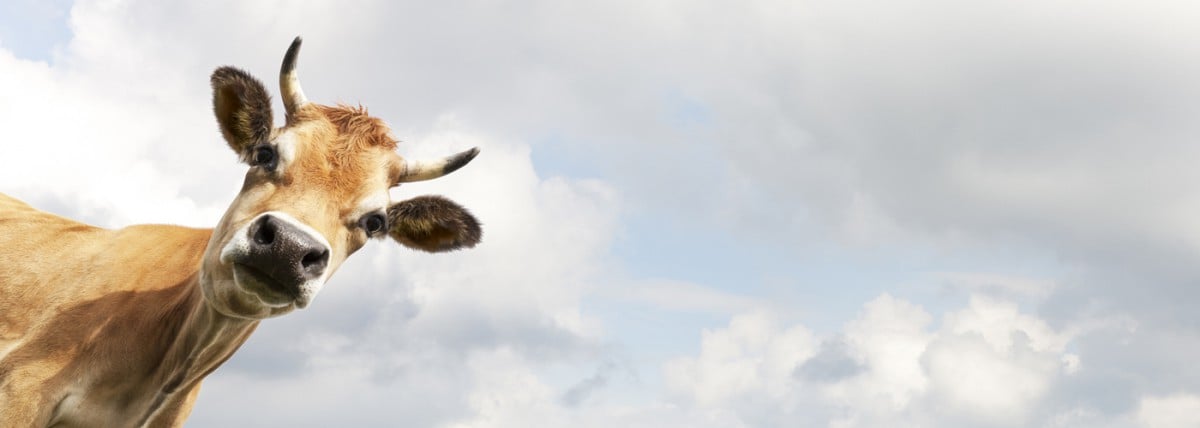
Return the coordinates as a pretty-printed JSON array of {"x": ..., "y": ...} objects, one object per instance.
[
  {"x": 289, "y": 81},
  {"x": 415, "y": 170}
]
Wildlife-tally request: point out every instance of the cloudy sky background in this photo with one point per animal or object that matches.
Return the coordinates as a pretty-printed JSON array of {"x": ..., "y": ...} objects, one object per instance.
[{"x": 697, "y": 213}]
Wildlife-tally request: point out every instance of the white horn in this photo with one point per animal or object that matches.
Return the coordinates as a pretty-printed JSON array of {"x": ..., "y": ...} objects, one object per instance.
[
  {"x": 289, "y": 81},
  {"x": 415, "y": 170}
]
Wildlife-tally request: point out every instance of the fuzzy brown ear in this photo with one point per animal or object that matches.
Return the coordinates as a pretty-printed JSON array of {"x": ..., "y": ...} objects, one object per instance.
[
  {"x": 243, "y": 109},
  {"x": 433, "y": 224}
]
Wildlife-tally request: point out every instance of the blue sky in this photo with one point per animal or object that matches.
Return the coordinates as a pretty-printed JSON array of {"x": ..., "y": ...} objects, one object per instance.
[
  {"x": 32, "y": 29},
  {"x": 919, "y": 213}
]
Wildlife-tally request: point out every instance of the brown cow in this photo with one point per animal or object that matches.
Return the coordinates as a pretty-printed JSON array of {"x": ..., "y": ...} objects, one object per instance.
[{"x": 117, "y": 328}]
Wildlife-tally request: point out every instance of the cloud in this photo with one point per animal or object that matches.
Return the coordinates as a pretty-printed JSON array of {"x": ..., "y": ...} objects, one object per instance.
[
  {"x": 987, "y": 364},
  {"x": 831, "y": 364},
  {"x": 1179, "y": 410},
  {"x": 743, "y": 375},
  {"x": 580, "y": 391},
  {"x": 976, "y": 282}
]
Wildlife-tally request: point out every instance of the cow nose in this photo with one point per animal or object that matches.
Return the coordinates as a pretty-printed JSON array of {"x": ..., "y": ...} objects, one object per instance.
[{"x": 286, "y": 254}]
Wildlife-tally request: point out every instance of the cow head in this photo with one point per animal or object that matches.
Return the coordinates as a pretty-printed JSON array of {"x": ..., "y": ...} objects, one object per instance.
[{"x": 316, "y": 191}]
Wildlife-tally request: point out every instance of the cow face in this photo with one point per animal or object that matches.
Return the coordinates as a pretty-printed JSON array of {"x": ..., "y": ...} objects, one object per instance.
[{"x": 316, "y": 191}]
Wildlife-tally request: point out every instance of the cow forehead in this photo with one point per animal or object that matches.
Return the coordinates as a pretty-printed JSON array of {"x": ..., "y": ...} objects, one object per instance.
[
  {"x": 358, "y": 128},
  {"x": 339, "y": 150}
]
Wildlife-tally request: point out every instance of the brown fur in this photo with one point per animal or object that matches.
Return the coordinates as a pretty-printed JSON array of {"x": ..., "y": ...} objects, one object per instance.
[
  {"x": 243, "y": 109},
  {"x": 433, "y": 224}
]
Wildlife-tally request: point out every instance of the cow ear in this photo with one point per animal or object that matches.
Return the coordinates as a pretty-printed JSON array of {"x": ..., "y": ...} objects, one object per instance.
[
  {"x": 243, "y": 109},
  {"x": 433, "y": 224}
]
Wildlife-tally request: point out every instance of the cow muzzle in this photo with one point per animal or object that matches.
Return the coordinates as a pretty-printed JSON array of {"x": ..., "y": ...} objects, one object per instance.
[{"x": 278, "y": 259}]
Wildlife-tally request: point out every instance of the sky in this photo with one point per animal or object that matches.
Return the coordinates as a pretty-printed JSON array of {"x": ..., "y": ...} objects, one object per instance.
[{"x": 924, "y": 213}]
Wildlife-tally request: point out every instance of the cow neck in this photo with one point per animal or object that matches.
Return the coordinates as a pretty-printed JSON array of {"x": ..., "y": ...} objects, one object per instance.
[{"x": 205, "y": 339}]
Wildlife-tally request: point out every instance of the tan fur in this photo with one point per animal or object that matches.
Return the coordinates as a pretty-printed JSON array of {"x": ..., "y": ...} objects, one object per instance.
[
  {"x": 353, "y": 144},
  {"x": 79, "y": 327},
  {"x": 117, "y": 328}
]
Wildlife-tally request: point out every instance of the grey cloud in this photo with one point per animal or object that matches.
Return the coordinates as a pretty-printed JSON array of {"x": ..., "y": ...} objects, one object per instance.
[
  {"x": 832, "y": 363},
  {"x": 581, "y": 391}
]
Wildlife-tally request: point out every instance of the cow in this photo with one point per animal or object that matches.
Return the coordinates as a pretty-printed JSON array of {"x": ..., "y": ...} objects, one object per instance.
[{"x": 118, "y": 327}]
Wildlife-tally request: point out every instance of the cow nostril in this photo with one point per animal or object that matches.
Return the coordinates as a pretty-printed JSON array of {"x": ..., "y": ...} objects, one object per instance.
[
  {"x": 265, "y": 233},
  {"x": 314, "y": 261}
]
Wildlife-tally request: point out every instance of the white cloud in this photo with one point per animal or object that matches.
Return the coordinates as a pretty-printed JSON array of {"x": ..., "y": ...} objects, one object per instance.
[
  {"x": 508, "y": 392},
  {"x": 1177, "y": 410},
  {"x": 107, "y": 131},
  {"x": 973, "y": 380},
  {"x": 753, "y": 354},
  {"x": 987, "y": 364},
  {"x": 1000, "y": 324},
  {"x": 888, "y": 338},
  {"x": 545, "y": 239}
]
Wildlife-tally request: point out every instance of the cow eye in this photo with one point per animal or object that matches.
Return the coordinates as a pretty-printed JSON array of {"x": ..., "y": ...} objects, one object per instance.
[
  {"x": 373, "y": 224},
  {"x": 264, "y": 156}
]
